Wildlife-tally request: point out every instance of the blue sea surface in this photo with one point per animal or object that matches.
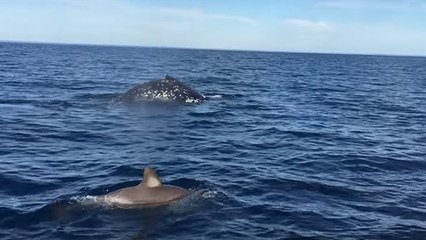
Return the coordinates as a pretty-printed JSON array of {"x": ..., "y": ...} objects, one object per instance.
[{"x": 288, "y": 145}]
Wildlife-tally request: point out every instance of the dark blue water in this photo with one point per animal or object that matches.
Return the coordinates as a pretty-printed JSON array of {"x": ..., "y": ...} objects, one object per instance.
[{"x": 300, "y": 146}]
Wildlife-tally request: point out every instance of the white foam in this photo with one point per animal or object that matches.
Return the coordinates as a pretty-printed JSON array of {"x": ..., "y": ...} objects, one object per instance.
[
  {"x": 217, "y": 96},
  {"x": 209, "y": 194},
  {"x": 89, "y": 200}
]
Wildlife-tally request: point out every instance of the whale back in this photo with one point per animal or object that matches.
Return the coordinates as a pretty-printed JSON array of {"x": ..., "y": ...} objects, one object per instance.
[{"x": 166, "y": 89}]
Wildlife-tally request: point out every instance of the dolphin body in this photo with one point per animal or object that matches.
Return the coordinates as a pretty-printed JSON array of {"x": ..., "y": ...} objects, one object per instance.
[
  {"x": 166, "y": 89},
  {"x": 150, "y": 192}
]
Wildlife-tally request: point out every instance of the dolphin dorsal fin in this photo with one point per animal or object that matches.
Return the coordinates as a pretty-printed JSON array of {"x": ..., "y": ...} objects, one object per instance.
[{"x": 150, "y": 178}]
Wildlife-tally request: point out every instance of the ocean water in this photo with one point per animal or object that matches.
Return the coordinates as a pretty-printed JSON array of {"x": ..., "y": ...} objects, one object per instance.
[{"x": 288, "y": 146}]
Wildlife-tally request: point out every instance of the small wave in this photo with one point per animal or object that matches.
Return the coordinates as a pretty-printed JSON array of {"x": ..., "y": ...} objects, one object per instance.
[
  {"x": 214, "y": 114},
  {"x": 99, "y": 96},
  {"x": 331, "y": 189},
  {"x": 59, "y": 210},
  {"x": 77, "y": 136},
  {"x": 383, "y": 163},
  {"x": 98, "y": 100},
  {"x": 194, "y": 202},
  {"x": 4, "y": 211},
  {"x": 52, "y": 104},
  {"x": 20, "y": 186},
  {"x": 16, "y": 101}
]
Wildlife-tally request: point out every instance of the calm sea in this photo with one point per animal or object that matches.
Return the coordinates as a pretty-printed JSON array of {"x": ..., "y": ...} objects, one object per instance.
[{"x": 288, "y": 146}]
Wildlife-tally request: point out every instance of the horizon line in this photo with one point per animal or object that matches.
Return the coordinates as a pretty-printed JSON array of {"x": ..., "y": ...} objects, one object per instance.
[{"x": 209, "y": 49}]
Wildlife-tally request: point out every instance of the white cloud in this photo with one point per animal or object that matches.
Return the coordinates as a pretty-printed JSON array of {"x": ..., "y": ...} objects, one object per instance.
[
  {"x": 352, "y": 38},
  {"x": 341, "y": 4},
  {"x": 377, "y": 39},
  {"x": 177, "y": 13},
  {"x": 304, "y": 24},
  {"x": 198, "y": 14},
  {"x": 125, "y": 23},
  {"x": 388, "y": 5}
]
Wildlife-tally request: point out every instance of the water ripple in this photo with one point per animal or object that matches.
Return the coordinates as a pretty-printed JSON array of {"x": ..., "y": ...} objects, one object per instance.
[{"x": 297, "y": 146}]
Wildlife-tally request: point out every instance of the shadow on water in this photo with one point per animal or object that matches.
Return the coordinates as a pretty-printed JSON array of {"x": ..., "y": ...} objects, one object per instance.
[
  {"x": 82, "y": 214},
  {"x": 115, "y": 100},
  {"x": 70, "y": 217},
  {"x": 105, "y": 100},
  {"x": 146, "y": 108}
]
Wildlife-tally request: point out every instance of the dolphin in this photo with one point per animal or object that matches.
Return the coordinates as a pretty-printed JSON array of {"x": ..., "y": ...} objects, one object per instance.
[
  {"x": 166, "y": 89},
  {"x": 150, "y": 192}
]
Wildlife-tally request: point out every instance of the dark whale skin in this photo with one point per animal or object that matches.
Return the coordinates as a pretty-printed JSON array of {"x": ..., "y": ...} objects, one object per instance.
[{"x": 166, "y": 89}]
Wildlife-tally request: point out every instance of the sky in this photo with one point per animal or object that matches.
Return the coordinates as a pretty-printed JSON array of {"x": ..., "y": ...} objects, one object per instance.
[{"x": 391, "y": 27}]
